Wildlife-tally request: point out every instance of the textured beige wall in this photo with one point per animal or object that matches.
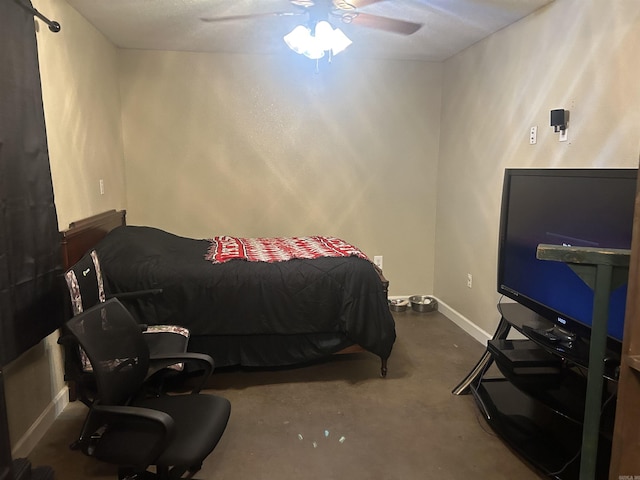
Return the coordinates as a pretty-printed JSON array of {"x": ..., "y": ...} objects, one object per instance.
[
  {"x": 82, "y": 114},
  {"x": 580, "y": 55},
  {"x": 82, "y": 111},
  {"x": 261, "y": 146}
]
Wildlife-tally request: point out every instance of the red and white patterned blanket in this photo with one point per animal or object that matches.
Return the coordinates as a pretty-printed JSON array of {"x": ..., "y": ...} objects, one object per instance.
[{"x": 279, "y": 249}]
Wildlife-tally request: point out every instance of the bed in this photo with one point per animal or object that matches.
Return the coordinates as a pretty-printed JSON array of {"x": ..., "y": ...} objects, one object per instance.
[{"x": 247, "y": 313}]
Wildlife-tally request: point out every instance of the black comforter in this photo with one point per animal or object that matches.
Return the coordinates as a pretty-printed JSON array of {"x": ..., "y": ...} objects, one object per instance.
[{"x": 309, "y": 307}]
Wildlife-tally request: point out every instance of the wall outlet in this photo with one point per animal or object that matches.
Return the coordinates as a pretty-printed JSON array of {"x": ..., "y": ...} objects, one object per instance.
[
  {"x": 377, "y": 260},
  {"x": 533, "y": 135},
  {"x": 101, "y": 187},
  {"x": 469, "y": 280}
]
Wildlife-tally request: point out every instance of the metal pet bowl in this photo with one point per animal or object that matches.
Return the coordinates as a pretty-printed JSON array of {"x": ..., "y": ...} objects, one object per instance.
[
  {"x": 423, "y": 303},
  {"x": 398, "y": 305}
]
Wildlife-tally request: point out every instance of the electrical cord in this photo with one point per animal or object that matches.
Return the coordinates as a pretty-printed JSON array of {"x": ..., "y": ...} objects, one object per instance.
[{"x": 572, "y": 459}]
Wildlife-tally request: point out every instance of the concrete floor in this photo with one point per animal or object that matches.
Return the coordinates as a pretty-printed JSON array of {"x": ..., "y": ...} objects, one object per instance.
[{"x": 339, "y": 420}]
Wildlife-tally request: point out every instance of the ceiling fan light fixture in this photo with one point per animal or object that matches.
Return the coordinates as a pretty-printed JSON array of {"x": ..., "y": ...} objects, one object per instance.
[
  {"x": 301, "y": 41},
  {"x": 340, "y": 41},
  {"x": 324, "y": 35},
  {"x": 324, "y": 38},
  {"x": 313, "y": 51},
  {"x": 298, "y": 39}
]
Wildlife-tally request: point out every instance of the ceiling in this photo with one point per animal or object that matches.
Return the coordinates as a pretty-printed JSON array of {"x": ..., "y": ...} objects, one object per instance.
[{"x": 449, "y": 26}]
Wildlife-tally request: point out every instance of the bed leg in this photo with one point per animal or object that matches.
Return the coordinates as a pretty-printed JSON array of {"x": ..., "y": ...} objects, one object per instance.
[{"x": 383, "y": 368}]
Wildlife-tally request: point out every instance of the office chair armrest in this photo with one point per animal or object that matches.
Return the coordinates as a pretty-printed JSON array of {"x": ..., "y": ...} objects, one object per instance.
[
  {"x": 134, "y": 294},
  {"x": 203, "y": 361},
  {"x": 126, "y": 434},
  {"x": 115, "y": 411}
]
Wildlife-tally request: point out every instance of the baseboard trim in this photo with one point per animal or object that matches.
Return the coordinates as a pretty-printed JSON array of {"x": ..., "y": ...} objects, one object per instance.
[
  {"x": 464, "y": 323},
  {"x": 36, "y": 432},
  {"x": 456, "y": 317}
]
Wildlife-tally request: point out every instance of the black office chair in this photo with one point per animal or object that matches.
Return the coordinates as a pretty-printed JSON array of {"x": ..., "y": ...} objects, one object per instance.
[
  {"x": 86, "y": 288},
  {"x": 174, "y": 433}
]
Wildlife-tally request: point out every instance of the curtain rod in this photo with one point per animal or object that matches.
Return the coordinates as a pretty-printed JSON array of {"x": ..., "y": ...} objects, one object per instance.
[{"x": 53, "y": 25}]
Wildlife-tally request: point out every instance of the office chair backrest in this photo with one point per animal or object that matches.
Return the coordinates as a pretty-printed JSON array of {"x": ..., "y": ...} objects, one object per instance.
[
  {"x": 127, "y": 427},
  {"x": 85, "y": 283},
  {"x": 116, "y": 348}
]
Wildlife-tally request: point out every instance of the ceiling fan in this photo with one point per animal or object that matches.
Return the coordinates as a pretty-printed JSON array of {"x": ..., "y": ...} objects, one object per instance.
[
  {"x": 346, "y": 11},
  {"x": 317, "y": 35}
]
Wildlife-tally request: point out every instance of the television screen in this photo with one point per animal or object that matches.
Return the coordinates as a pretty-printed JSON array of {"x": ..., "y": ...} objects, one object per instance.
[{"x": 576, "y": 207}]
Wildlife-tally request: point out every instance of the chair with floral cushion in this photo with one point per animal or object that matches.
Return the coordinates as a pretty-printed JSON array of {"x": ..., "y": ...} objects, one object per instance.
[
  {"x": 147, "y": 437},
  {"x": 86, "y": 288}
]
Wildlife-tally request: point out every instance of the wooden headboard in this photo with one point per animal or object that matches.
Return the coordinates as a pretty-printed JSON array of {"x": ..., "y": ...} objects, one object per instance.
[{"x": 86, "y": 233}]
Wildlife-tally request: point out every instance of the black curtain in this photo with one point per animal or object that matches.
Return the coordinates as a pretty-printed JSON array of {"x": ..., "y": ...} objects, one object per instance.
[{"x": 31, "y": 300}]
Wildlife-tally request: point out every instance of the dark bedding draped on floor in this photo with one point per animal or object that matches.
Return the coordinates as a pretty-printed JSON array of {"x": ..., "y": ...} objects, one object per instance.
[{"x": 30, "y": 263}]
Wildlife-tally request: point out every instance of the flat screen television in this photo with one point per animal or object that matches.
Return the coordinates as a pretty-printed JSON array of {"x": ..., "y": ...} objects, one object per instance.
[{"x": 577, "y": 207}]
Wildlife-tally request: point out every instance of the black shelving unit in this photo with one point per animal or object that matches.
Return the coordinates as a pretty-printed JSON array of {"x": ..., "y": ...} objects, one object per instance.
[{"x": 536, "y": 403}]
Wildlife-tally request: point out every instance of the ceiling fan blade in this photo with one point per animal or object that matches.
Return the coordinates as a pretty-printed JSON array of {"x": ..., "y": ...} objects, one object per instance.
[
  {"x": 353, "y": 4},
  {"x": 381, "y": 23},
  {"x": 249, "y": 16}
]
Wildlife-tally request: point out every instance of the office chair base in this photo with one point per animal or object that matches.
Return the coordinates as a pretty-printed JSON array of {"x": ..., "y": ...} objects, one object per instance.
[{"x": 163, "y": 473}]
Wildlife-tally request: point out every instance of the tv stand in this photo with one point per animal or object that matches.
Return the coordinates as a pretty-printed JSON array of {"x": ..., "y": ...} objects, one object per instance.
[
  {"x": 537, "y": 406},
  {"x": 558, "y": 415}
]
